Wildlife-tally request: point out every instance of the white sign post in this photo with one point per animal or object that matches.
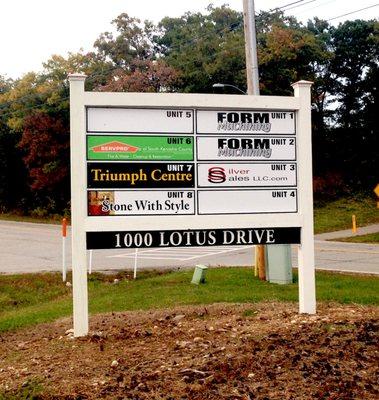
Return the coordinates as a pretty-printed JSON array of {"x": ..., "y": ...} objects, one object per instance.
[
  {"x": 306, "y": 252},
  {"x": 176, "y": 170}
]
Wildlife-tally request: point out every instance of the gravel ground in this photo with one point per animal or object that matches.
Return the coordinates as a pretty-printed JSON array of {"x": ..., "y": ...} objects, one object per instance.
[{"x": 223, "y": 351}]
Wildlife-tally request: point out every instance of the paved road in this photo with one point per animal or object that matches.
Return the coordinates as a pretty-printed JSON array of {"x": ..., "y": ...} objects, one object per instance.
[{"x": 27, "y": 247}]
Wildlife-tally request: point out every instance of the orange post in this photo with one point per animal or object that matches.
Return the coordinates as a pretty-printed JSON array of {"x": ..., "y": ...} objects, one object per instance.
[
  {"x": 64, "y": 234},
  {"x": 354, "y": 221},
  {"x": 260, "y": 261},
  {"x": 64, "y": 227},
  {"x": 376, "y": 191}
]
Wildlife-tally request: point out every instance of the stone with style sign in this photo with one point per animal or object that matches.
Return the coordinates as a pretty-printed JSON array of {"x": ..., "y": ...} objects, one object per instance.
[{"x": 143, "y": 202}]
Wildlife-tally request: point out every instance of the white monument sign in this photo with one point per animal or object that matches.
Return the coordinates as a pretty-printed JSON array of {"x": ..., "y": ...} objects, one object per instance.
[{"x": 179, "y": 170}]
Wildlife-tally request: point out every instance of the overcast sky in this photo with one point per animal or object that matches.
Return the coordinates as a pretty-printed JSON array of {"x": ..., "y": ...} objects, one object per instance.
[{"x": 32, "y": 30}]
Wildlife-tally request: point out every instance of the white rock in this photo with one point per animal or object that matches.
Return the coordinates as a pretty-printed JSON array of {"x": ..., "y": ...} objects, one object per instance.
[
  {"x": 114, "y": 364},
  {"x": 178, "y": 317},
  {"x": 70, "y": 331}
]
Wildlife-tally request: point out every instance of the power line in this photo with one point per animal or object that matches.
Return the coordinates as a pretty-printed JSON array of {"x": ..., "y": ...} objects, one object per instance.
[
  {"x": 318, "y": 6},
  {"x": 353, "y": 12},
  {"x": 287, "y": 5},
  {"x": 300, "y": 5}
]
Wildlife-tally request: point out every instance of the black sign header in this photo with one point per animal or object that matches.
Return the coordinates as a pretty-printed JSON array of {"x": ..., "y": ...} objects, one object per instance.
[{"x": 187, "y": 238}]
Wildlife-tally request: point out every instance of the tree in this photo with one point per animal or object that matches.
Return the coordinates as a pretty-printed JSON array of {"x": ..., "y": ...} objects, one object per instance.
[
  {"x": 190, "y": 54},
  {"x": 286, "y": 54},
  {"x": 5, "y": 84},
  {"x": 45, "y": 143},
  {"x": 13, "y": 192},
  {"x": 206, "y": 49},
  {"x": 323, "y": 92},
  {"x": 355, "y": 52},
  {"x": 30, "y": 109},
  {"x": 151, "y": 76},
  {"x": 355, "y": 70},
  {"x": 134, "y": 42},
  {"x": 13, "y": 175}
]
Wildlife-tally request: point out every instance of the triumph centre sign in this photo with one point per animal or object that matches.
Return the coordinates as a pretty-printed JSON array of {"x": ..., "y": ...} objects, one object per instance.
[{"x": 181, "y": 170}]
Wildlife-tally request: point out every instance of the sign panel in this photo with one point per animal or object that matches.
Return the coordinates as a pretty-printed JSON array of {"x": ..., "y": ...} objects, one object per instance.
[
  {"x": 140, "y": 148},
  {"x": 141, "y": 189},
  {"x": 191, "y": 237},
  {"x": 246, "y": 175},
  {"x": 247, "y": 201},
  {"x": 124, "y": 175},
  {"x": 147, "y": 202},
  {"x": 246, "y": 148},
  {"x": 228, "y": 122},
  {"x": 135, "y": 120}
]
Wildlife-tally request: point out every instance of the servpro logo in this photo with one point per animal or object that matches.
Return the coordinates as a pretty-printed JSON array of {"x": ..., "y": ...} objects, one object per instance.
[
  {"x": 114, "y": 147},
  {"x": 216, "y": 175}
]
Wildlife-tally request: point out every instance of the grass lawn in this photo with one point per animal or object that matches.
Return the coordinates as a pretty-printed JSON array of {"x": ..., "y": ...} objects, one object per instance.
[
  {"x": 35, "y": 298},
  {"x": 369, "y": 238},
  {"x": 56, "y": 219},
  {"x": 336, "y": 215}
]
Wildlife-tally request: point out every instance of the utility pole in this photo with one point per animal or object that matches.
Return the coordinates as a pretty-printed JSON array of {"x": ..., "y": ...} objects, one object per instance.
[
  {"x": 251, "y": 48},
  {"x": 253, "y": 89}
]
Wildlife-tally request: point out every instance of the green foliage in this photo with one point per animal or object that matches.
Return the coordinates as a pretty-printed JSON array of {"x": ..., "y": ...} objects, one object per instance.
[
  {"x": 134, "y": 41},
  {"x": 206, "y": 48},
  {"x": 34, "y": 135},
  {"x": 11, "y": 190},
  {"x": 45, "y": 141},
  {"x": 354, "y": 140},
  {"x": 189, "y": 54},
  {"x": 30, "y": 390}
]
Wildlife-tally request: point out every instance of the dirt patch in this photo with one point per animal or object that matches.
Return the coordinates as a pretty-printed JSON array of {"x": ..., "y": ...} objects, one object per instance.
[{"x": 224, "y": 351}]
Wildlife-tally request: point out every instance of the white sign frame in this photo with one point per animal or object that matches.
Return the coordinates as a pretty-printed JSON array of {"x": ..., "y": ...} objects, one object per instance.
[{"x": 300, "y": 103}]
